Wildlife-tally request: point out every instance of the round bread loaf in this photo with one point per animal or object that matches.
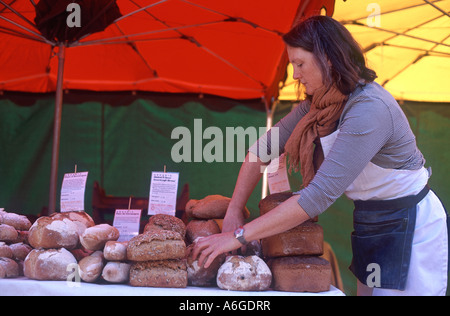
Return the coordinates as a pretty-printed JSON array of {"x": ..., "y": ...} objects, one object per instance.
[
  {"x": 201, "y": 228},
  {"x": 94, "y": 238},
  {"x": 156, "y": 245},
  {"x": 166, "y": 222},
  {"x": 10, "y": 267},
  {"x": 19, "y": 222},
  {"x": 5, "y": 251},
  {"x": 212, "y": 206},
  {"x": 244, "y": 274},
  {"x": 52, "y": 233},
  {"x": 91, "y": 267},
  {"x": 301, "y": 274},
  {"x": 201, "y": 276},
  {"x": 82, "y": 219},
  {"x": 20, "y": 250},
  {"x": 116, "y": 272},
  {"x": 8, "y": 233},
  {"x": 50, "y": 264},
  {"x": 115, "y": 251},
  {"x": 165, "y": 273},
  {"x": 305, "y": 239}
]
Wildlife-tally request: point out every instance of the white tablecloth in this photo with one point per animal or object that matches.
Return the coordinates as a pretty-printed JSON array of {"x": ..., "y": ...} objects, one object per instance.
[{"x": 26, "y": 287}]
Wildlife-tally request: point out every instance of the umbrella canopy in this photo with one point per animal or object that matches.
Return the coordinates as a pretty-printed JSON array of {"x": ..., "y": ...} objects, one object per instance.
[
  {"x": 227, "y": 48},
  {"x": 407, "y": 42}
]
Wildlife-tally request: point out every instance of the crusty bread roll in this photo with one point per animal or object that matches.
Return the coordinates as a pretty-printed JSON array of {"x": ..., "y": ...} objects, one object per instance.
[
  {"x": 49, "y": 264},
  {"x": 156, "y": 245},
  {"x": 201, "y": 228},
  {"x": 305, "y": 239},
  {"x": 301, "y": 274},
  {"x": 212, "y": 206},
  {"x": 20, "y": 251},
  {"x": 53, "y": 233},
  {"x": 82, "y": 219},
  {"x": 244, "y": 274},
  {"x": 165, "y": 273},
  {"x": 91, "y": 267},
  {"x": 115, "y": 251},
  {"x": 166, "y": 222},
  {"x": 19, "y": 222},
  {"x": 116, "y": 272},
  {"x": 8, "y": 233},
  {"x": 94, "y": 238},
  {"x": 201, "y": 276},
  {"x": 10, "y": 267},
  {"x": 5, "y": 251}
]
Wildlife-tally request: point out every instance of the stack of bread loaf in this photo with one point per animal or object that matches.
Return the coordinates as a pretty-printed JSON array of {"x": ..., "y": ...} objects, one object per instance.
[
  {"x": 13, "y": 244},
  {"x": 294, "y": 256},
  {"x": 158, "y": 255},
  {"x": 65, "y": 242},
  {"x": 246, "y": 272}
]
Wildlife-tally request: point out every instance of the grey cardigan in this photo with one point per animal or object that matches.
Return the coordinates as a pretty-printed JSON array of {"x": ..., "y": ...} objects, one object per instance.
[{"x": 372, "y": 128}]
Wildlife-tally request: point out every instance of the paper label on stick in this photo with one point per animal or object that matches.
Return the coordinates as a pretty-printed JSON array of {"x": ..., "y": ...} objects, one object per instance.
[
  {"x": 163, "y": 193},
  {"x": 128, "y": 223},
  {"x": 72, "y": 191},
  {"x": 277, "y": 177}
]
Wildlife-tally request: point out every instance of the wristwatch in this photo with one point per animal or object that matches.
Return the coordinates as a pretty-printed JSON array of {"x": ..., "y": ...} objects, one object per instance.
[{"x": 239, "y": 234}]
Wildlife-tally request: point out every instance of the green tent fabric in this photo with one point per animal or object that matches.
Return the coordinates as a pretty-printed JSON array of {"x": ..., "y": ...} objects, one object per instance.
[{"x": 121, "y": 145}]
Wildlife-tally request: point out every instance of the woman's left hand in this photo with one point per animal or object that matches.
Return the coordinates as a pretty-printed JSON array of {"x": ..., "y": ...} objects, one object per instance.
[{"x": 208, "y": 248}]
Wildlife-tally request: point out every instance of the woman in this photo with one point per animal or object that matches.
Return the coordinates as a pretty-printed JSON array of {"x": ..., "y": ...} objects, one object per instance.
[{"x": 349, "y": 136}]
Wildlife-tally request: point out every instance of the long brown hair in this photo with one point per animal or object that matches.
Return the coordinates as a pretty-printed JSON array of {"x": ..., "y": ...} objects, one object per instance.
[{"x": 330, "y": 41}]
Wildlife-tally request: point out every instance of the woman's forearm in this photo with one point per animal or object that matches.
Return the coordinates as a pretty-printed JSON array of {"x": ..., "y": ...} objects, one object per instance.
[{"x": 249, "y": 176}]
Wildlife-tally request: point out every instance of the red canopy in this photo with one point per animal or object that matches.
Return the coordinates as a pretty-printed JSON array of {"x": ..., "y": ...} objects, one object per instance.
[{"x": 229, "y": 48}]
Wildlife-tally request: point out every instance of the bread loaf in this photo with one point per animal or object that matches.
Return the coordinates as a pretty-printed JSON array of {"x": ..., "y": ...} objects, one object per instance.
[
  {"x": 10, "y": 267},
  {"x": 156, "y": 245},
  {"x": 301, "y": 274},
  {"x": 116, "y": 272},
  {"x": 94, "y": 238},
  {"x": 201, "y": 276},
  {"x": 244, "y": 274},
  {"x": 165, "y": 273},
  {"x": 8, "y": 233},
  {"x": 212, "y": 206},
  {"x": 20, "y": 251},
  {"x": 91, "y": 267},
  {"x": 201, "y": 228},
  {"x": 166, "y": 222},
  {"x": 51, "y": 264},
  {"x": 19, "y": 222},
  {"x": 115, "y": 251},
  {"x": 81, "y": 219},
  {"x": 5, "y": 251},
  {"x": 53, "y": 233},
  {"x": 305, "y": 239}
]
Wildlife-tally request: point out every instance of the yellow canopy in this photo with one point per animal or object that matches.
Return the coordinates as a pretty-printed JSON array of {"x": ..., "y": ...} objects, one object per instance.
[{"x": 407, "y": 42}]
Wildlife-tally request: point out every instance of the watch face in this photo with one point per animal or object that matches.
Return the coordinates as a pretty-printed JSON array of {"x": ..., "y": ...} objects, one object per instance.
[{"x": 239, "y": 232}]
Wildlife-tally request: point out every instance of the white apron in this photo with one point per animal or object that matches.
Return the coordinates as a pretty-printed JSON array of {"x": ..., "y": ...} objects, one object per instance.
[{"x": 429, "y": 258}]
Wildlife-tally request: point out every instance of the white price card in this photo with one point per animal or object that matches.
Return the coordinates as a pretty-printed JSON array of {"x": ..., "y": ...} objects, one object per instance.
[
  {"x": 277, "y": 177},
  {"x": 72, "y": 191},
  {"x": 128, "y": 223},
  {"x": 163, "y": 193}
]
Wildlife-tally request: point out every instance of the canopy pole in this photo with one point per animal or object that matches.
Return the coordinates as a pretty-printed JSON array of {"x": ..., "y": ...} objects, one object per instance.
[
  {"x": 270, "y": 110},
  {"x": 57, "y": 129}
]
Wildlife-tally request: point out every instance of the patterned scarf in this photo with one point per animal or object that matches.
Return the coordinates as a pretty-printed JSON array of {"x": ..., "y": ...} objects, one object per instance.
[{"x": 303, "y": 146}]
